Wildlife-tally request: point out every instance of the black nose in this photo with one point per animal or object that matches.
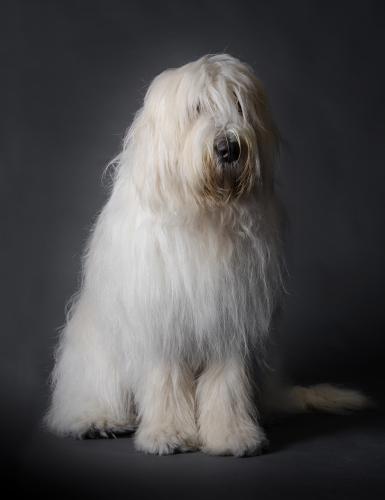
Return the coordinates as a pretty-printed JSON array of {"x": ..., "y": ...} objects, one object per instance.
[{"x": 227, "y": 149}]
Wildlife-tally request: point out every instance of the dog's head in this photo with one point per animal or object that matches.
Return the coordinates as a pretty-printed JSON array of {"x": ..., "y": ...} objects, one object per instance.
[{"x": 204, "y": 135}]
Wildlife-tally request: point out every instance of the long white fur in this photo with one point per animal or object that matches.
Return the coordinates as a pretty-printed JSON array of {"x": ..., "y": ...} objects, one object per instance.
[{"x": 181, "y": 277}]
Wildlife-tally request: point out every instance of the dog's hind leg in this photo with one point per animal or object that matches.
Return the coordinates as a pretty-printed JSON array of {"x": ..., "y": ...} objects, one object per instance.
[{"x": 91, "y": 397}]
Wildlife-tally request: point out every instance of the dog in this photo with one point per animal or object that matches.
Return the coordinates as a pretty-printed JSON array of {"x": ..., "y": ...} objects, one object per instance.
[{"x": 183, "y": 274}]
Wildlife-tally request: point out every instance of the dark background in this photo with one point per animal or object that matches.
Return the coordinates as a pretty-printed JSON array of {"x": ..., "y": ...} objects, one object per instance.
[{"x": 73, "y": 74}]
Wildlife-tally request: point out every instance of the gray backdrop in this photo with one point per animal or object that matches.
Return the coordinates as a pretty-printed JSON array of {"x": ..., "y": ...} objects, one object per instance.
[{"x": 74, "y": 73}]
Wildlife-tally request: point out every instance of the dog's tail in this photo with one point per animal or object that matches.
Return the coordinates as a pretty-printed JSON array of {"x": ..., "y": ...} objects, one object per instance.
[{"x": 326, "y": 398}]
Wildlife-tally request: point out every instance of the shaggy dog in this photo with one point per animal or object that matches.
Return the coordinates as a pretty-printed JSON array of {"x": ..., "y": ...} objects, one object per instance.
[{"x": 182, "y": 276}]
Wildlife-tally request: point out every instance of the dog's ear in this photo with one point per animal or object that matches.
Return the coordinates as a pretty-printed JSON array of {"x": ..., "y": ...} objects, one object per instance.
[{"x": 267, "y": 136}]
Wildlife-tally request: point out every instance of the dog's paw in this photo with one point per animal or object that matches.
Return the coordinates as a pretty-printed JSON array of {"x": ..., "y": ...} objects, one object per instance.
[
  {"x": 164, "y": 441},
  {"x": 248, "y": 441},
  {"x": 106, "y": 430}
]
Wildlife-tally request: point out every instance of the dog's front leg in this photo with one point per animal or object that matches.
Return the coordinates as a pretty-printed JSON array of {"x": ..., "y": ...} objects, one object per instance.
[
  {"x": 165, "y": 402},
  {"x": 227, "y": 417}
]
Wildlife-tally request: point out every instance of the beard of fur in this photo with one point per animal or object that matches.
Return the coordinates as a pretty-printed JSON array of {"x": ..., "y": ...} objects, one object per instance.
[{"x": 221, "y": 186}]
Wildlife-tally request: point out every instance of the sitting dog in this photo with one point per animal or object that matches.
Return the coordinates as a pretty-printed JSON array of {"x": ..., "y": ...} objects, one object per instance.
[{"x": 183, "y": 273}]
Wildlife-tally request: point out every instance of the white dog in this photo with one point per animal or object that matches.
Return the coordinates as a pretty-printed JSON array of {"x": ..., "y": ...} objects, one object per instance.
[{"x": 182, "y": 275}]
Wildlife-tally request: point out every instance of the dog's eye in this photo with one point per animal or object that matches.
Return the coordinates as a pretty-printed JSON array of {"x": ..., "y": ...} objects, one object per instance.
[
  {"x": 198, "y": 108},
  {"x": 239, "y": 107}
]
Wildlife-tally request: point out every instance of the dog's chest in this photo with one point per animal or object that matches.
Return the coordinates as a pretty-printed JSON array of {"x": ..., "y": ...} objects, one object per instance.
[{"x": 192, "y": 286}]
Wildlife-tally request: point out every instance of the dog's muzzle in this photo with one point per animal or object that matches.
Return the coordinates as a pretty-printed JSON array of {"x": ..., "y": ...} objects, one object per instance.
[{"x": 227, "y": 149}]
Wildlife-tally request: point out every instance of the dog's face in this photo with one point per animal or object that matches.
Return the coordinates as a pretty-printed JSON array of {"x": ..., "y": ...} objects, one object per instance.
[{"x": 207, "y": 129}]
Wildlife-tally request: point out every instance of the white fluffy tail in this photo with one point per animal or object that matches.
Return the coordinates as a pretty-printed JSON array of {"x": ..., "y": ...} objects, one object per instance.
[{"x": 325, "y": 397}]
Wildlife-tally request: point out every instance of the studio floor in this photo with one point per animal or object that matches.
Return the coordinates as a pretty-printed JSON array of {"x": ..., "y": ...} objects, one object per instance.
[{"x": 310, "y": 456}]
